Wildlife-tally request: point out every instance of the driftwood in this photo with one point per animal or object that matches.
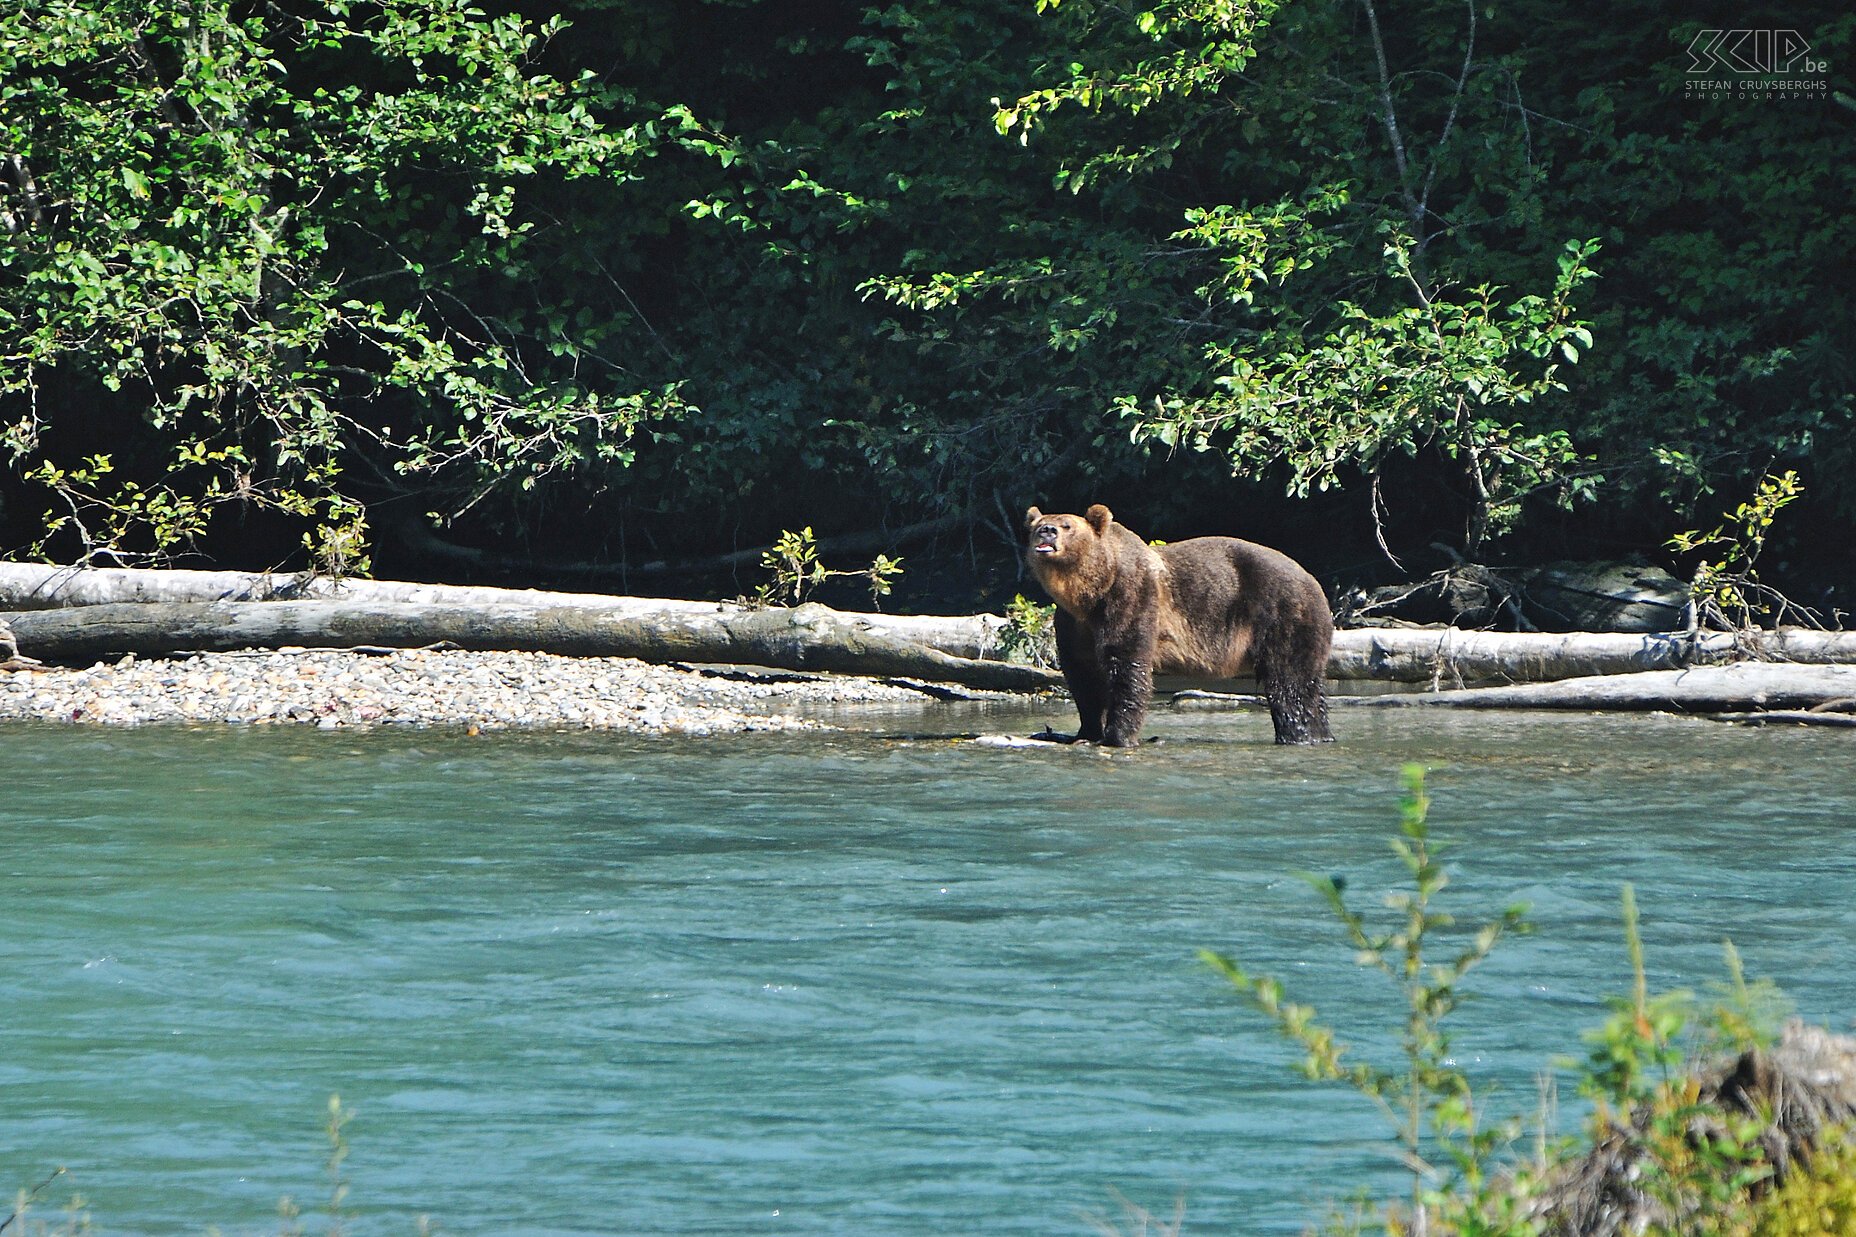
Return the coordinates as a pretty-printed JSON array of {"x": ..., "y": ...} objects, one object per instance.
[
  {"x": 810, "y": 637},
  {"x": 1801, "y": 1089},
  {"x": 1448, "y": 657},
  {"x": 1838, "y": 712},
  {"x": 10, "y": 647},
  {"x": 35, "y": 586},
  {"x": 1705, "y": 689},
  {"x": 1789, "y": 717}
]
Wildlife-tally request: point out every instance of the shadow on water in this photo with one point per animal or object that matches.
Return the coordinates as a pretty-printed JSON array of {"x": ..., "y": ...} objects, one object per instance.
[{"x": 826, "y": 983}]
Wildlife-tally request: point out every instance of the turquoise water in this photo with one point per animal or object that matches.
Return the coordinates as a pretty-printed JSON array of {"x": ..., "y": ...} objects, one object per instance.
[{"x": 844, "y": 984}]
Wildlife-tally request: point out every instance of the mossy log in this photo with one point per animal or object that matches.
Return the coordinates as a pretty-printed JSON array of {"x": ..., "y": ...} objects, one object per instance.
[{"x": 805, "y": 638}]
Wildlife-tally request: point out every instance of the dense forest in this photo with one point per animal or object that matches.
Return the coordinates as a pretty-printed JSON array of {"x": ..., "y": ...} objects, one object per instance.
[{"x": 597, "y": 291}]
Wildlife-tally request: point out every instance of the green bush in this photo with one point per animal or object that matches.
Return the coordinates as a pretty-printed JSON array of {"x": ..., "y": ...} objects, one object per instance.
[{"x": 1817, "y": 1200}]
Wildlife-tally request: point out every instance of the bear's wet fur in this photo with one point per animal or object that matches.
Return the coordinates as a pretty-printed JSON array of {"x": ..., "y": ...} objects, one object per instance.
[{"x": 1211, "y": 606}]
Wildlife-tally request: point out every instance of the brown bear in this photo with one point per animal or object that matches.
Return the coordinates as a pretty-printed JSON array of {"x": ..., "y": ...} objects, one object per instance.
[{"x": 1211, "y": 606}]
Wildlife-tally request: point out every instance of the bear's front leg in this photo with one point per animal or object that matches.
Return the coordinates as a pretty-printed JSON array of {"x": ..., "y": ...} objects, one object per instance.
[{"x": 1082, "y": 673}]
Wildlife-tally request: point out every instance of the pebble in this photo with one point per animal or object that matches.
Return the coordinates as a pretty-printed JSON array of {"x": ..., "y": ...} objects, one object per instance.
[{"x": 333, "y": 689}]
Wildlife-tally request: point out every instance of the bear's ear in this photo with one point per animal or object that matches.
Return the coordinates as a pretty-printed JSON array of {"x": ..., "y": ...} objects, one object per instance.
[
  {"x": 1032, "y": 516},
  {"x": 1099, "y": 518}
]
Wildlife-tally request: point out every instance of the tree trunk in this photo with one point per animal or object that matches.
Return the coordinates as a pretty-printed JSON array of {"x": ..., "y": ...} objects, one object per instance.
[{"x": 809, "y": 637}]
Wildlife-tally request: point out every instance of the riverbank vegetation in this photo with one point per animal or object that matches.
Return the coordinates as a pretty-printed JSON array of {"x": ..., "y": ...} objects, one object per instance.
[
  {"x": 617, "y": 289},
  {"x": 1705, "y": 1118}
]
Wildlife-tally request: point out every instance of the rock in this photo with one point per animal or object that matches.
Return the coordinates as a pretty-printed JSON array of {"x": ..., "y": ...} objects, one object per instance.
[
  {"x": 1557, "y": 597},
  {"x": 1603, "y": 597}
]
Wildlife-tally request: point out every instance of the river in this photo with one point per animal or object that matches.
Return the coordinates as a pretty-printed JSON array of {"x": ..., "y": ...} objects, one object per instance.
[{"x": 867, "y": 982}]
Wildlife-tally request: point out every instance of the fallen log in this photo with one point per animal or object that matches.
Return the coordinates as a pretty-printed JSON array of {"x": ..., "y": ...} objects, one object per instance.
[
  {"x": 1741, "y": 687},
  {"x": 809, "y": 637},
  {"x": 1440, "y": 656},
  {"x": 1788, "y": 717},
  {"x": 36, "y": 586},
  {"x": 1448, "y": 657}
]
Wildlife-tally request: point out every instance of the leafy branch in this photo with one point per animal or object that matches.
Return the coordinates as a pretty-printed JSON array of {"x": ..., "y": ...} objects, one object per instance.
[
  {"x": 797, "y": 571},
  {"x": 1427, "y": 1099},
  {"x": 1440, "y": 371},
  {"x": 1726, "y": 591}
]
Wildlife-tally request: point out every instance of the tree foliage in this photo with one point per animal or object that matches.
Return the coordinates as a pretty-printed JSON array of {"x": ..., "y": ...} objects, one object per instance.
[
  {"x": 297, "y": 243},
  {"x": 694, "y": 273}
]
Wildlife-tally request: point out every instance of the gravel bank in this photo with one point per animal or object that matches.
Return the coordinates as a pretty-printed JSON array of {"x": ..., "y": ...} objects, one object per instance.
[{"x": 334, "y": 689}]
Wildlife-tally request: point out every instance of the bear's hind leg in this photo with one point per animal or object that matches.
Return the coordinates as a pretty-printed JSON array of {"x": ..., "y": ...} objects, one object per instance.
[
  {"x": 1299, "y": 710},
  {"x": 1297, "y": 698}
]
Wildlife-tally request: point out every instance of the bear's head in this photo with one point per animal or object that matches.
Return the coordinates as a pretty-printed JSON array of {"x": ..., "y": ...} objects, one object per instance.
[{"x": 1059, "y": 541}]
